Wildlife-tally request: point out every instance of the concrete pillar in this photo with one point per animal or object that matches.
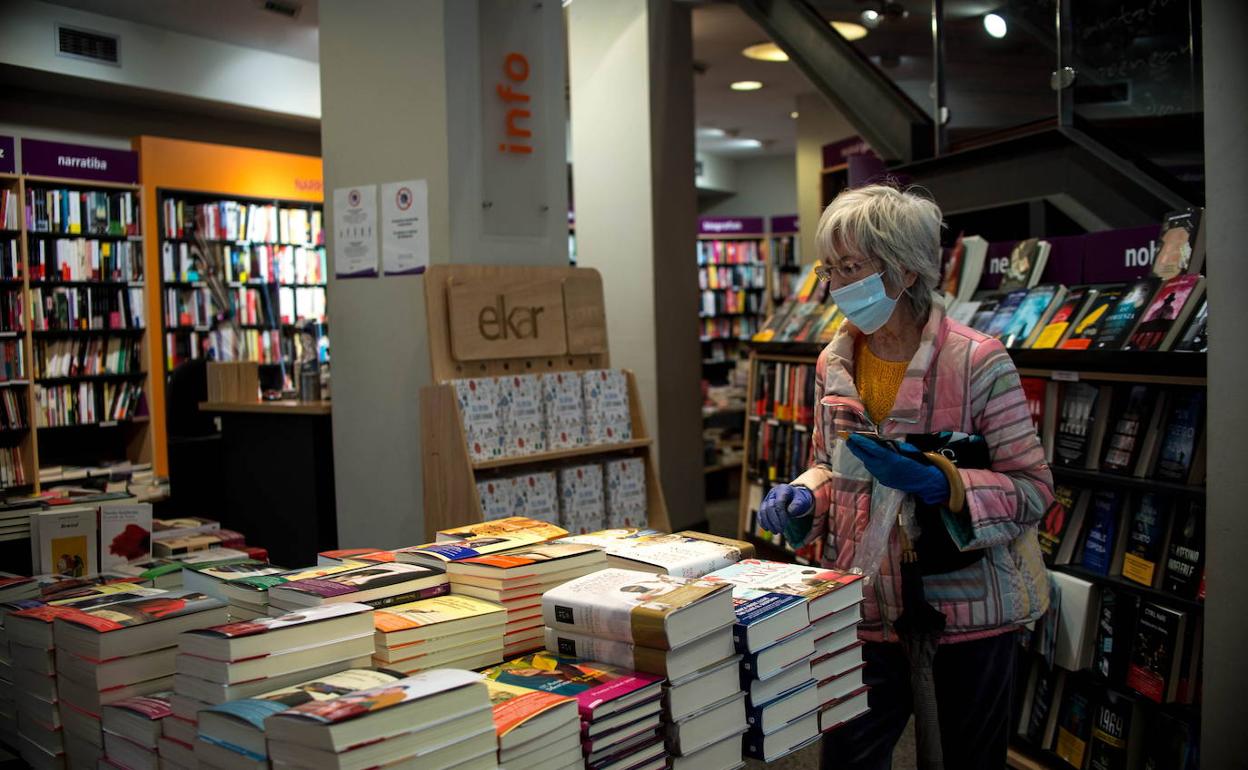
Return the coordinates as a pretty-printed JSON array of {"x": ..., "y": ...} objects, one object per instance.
[
  {"x": 408, "y": 91},
  {"x": 1224, "y": 741},
  {"x": 630, "y": 63},
  {"x": 818, "y": 123}
]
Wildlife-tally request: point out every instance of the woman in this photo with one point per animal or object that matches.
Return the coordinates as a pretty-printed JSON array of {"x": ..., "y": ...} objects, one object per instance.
[{"x": 900, "y": 368}]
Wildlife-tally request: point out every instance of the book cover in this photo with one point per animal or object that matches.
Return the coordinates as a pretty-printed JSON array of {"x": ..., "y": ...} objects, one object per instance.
[
  {"x": 1054, "y": 528},
  {"x": 541, "y": 553},
  {"x": 364, "y": 578},
  {"x": 1004, "y": 312},
  {"x": 251, "y": 568},
  {"x": 1098, "y": 547},
  {"x": 810, "y": 583},
  {"x": 626, "y": 492},
  {"x": 564, "y": 410},
  {"x": 520, "y": 414},
  {"x": 1042, "y": 697},
  {"x": 591, "y": 683},
  {"x": 261, "y": 583},
  {"x": 536, "y": 495},
  {"x": 478, "y": 411},
  {"x": 1115, "y": 627},
  {"x": 1029, "y": 315},
  {"x": 1112, "y": 739},
  {"x": 981, "y": 319},
  {"x": 125, "y": 534},
  {"x": 1178, "y": 446},
  {"x": 1182, "y": 244},
  {"x": 460, "y": 550},
  {"x": 1126, "y": 434},
  {"x": 1066, "y": 315},
  {"x": 1163, "y": 312},
  {"x": 388, "y": 695},
  {"x": 684, "y": 554},
  {"x": 255, "y": 710},
  {"x": 607, "y": 416},
  {"x": 1089, "y": 327},
  {"x": 66, "y": 541},
  {"x": 1023, "y": 269},
  {"x": 1195, "y": 335},
  {"x": 582, "y": 498},
  {"x": 140, "y": 611},
  {"x": 513, "y": 705},
  {"x": 1185, "y": 556},
  {"x": 527, "y": 529},
  {"x": 1145, "y": 539},
  {"x": 267, "y": 625},
  {"x": 439, "y": 609},
  {"x": 1155, "y": 654},
  {"x": 52, "y": 608},
  {"x": 1035, "y": 390},
  {"x": 342, "y": 554},
  {"x": 625, "y": 605},
  {"x": 951, "y": 272},
  {"x": 752, "y": 607},
  {"x": 1120, "y": 321},
  {"x": 1074, "y": 726},
  {"x": 163, "y": 529}
]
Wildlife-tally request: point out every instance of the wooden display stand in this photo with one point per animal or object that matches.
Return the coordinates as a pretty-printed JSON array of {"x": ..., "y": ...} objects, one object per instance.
[{"x": 487, "y": 321}]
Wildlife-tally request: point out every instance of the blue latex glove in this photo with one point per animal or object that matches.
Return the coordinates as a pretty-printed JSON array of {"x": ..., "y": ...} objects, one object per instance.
[
  {"x": 784, "y": 503},
  {"x": 899, "y": 471}
]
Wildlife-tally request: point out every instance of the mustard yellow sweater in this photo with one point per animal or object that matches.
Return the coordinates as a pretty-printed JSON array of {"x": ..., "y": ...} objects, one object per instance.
[{"x": 877, "y": 380}]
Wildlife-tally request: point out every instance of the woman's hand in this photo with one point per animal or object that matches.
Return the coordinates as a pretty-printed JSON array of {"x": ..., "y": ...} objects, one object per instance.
[
  {"x": 900, "y": 471},
  {"x": 784, "y": 503}
]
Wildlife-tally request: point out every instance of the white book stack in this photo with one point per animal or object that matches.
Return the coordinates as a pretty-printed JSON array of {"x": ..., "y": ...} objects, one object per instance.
[
  {"x": 132, "y": 730},
  {"x": 442, "y": 632},
  {"x": 213, "y": 580},
  {"x": 536, "y": 730},
  {"x": 435, "y": 719},
  {"x": 248, "y": 597}
]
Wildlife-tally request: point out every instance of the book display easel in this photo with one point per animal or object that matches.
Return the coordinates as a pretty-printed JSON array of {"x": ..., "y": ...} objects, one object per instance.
[{"x": 487, "y": 321}]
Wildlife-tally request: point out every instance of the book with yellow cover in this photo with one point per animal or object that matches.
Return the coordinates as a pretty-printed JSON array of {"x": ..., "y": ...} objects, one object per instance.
[
  {"x": 526, "y": 565},
  {"x": 435, "y": 618},
  {"x": 533, "y": 530},
  {"x": 658, "y": 611}
]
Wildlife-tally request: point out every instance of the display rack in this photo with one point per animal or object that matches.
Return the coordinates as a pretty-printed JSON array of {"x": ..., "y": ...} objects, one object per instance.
[
  {"x": 275, "y": 284},
  {"x": 571, "y": 337}
]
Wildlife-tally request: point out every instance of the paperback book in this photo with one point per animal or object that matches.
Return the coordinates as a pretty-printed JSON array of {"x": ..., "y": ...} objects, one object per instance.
[
  {"x": 1167, "y": 313},
  {"x": 1088, "y": 328},
  {"x": 1149, "y": 524},
  {"x": 826, "y": 591},
  {"x": 125, "y": 534},
  {"x": 683, "y": 554},
  {"x": 1185, "y": 554},
  {"x": 1098, "y": 546},
  {"x": 378, "y": 585},
  {"x": 599, "y": 689},
  {"x": 1065, "y": 317},
  {"x": 1121, "y": 321}
]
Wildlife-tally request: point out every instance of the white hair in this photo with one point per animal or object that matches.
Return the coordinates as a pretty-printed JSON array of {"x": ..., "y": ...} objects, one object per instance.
[{"x": 900, "y": 228}]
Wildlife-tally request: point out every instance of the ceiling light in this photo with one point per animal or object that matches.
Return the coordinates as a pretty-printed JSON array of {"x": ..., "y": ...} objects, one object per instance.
[
  {"x": 708, "y": 132},
  {"x": 793, "y": 114},
  {"x": 994, "y": 25},
  {"x": 850, "y": 30},
  {"x": 746, "y": 85},
  {"x": 871, "y": 17},
  {"x": 765, "y": 52}
]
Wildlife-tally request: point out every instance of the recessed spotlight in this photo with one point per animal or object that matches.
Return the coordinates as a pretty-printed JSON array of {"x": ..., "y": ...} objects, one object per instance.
[
  {"x": 709, "y": 132},
  {"x": 994, "y": 25},
  {"x": 746, "y": 85},
  {"x": 871, "y": 17},
  {"x": 793, "y": 114},
  {"x": 850, "y": 30},
  {"x": 765, "y": 52}
]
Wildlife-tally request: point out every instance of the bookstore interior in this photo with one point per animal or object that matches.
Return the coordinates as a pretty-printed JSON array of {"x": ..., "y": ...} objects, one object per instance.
[{"x": 889, "y": 437}]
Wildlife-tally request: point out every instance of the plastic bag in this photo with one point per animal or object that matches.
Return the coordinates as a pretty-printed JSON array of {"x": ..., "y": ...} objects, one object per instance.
[{"x": 886, "y": 506}]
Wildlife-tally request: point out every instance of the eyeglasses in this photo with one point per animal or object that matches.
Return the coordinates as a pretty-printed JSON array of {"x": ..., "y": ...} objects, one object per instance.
[{"x": 848, "y": 269}]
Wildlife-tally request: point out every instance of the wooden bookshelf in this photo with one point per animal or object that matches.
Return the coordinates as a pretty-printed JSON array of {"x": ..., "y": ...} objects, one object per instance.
[{"x": 458, "y": 350}]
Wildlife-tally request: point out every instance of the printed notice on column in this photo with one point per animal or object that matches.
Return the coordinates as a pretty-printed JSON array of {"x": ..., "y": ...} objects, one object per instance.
[
  {"x": 355, "y": 231},
  {"x": 405, "y": 227}
]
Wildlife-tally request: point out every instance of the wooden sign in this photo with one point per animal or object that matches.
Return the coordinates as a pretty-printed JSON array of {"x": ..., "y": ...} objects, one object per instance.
[{"x": 493, "y": 317}]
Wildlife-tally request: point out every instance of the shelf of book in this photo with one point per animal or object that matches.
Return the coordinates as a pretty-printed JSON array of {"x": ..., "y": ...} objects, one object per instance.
[
  {"x": 1119, "y": 582},
  {"x": 1102, "y": 479}
]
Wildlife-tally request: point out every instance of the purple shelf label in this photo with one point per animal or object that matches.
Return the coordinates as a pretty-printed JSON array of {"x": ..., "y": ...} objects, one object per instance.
[
  {"x": 8, "y": 155},
  {"x": 1065, "y": 264},
  {"x": 837, "y": 153},
  {"x": 79, "y": 161},
  {"x": 995, "y": 263},
  {"x": 784, "y": 224},
  {"x": 730, "y": 226},
  {"x": 1119, "y": 256}
]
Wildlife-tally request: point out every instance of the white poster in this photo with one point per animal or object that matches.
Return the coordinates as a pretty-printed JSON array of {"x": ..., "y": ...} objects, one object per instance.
[
  {"x": 355, "y": 231},
  {"x": 405, "y": 227}
]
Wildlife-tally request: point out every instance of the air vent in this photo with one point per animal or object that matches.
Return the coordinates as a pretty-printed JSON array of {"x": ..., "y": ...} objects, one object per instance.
[
  {"x": 283, "y": 7},
  {"x": 85, "y": 44}
]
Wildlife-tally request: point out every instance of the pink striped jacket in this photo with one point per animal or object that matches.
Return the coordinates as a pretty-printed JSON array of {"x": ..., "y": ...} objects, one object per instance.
[{"x": 958, "y": 380}]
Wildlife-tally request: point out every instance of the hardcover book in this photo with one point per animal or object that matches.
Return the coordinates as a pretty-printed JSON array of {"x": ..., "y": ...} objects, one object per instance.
[
  {"x": 1035, "y": 390},
  {"x": 626, "y": 492},
  {"x": 599, "y": 689},
  {"x": 520, "y": 414},
  {"x": 476, "y": 544},
  {"x": 1121, "y": 321},
  {"x": 659, "y": 611},
  {"x": 1116, "y": 733},
  {"x": 1178, "y": 447},
  {"x": 755, "y": 610},
  {"x": 125, "y": 534},
  {"x": 827, "y": 591},
  {"x": 683, "y": 554},
  {"x": 1156, "y": 654},
  {"x": 607, "y": 417},
  {"x": 1185, "y": 555},
  {"x": 1146, "y": 540},
  {"x": 1098, "y": 546},
  {"x": 1166, "y": 314},
  {"x": 582, "y": 498},
  {"x": 564, "y": 410},
  {"x": 478, "y": 410},
  {"x": 1076, "y": 424},
  {"x": 1064, "y": 318},
  {"x": 1058, "y": 531},
  {"x": 1089, "y": 327},
  {"x": 63, "y": 541},
  {"x": 378, "y": 585}
]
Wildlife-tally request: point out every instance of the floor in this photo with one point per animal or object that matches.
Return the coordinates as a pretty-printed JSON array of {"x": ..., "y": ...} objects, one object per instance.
[{"x": 721, "y": 518}]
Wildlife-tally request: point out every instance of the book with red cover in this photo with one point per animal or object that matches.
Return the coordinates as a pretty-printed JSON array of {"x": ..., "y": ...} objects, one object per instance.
[
  {"x": 598, "y": 688},
  {"x": 139, "y": 611}
]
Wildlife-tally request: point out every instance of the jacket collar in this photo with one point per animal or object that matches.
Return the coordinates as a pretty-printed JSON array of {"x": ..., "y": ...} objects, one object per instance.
[{"x": 839, "y": 375}]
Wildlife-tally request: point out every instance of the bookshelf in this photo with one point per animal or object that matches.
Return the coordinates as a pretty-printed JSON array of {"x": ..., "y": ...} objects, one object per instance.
[
  {"x": 270, "y": 253},
  {"x": 569, "y": 335},
  {"x": 19, "y": 470}
]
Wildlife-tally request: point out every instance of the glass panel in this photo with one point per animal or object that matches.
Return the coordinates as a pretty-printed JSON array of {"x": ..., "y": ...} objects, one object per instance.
[{"x": 1138, "y": 86}]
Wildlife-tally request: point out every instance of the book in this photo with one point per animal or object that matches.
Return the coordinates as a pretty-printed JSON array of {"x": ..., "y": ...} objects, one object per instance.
[
  {"x": 1058, "y": 532},
  {"x": 974, "y": 251},
  {"x": 1115, "y": 628},
  {"x": 607, "y": 415},
  {"x": 135, "y": 625},
  {"x": 1038, "y": 701},
  {"x": 1085, "y": 331},
  {"x": 783, "y": 680},
  {"x": 1157, "y": 652},
  {"x": 137, "y": 719},
  {"x": 1076, "y": 630},
  {"x": 601, "y": 690},
  {"x": 713, "y": 682},
  {"x": 1128, "y": 428},
  {"x": 582, "y": 498},
  {"x": 837, "y": 713},
  {"x": 1074, "y": 726},
  {"x": 522, "y": 714},
  {"x": 1004, "y": 312},
  {"x": 1121, "y": 321},
  {"x": 659, "y": 611},
  {"x": 1098, "y": 544},
  {"x": 1195, "y": 335},
  {"x": 211, "y": 579},
  {"x": 1171, "y": 742},
  {"x": 626, "y": 498},
  {"x": 341, "y": 556},
  {"x": 1145, "y": 547},
  {"x": 1183, "y": 425},
  {"x": 1032, "y": 315},
  {"x": 519, "y": 527},
  {"x": 983, "y": 315},
  {"x": 1077, "y": 426},
  {"x": 682, "y": 554},
  {"x": 767, "y": 662},
  {"x": 1065, "y": 317},
  {"x": 527, "y": 565},
  {"x": 1026, "y": 265},
  {"x": 671, "y": 664},
  {"x": 125, "y": 534},
  {"x": 63, "y": 541},
  {"x": 166, "y": 529},
  {"x": 1182, "y": 243},
  {"x": 1168, "y": 312},
  {"x": 762, "y": 619},
  {"x": 253, "y": 590},
  {"x": 377, "y": 585},
  {"x": 253, "y": 639},
  {"x": 796, "y": 735},
  {"x": 715, "y": 722},
  {"x": 826, "y": 591},
  {"x": 564, "y": 410},
  {"x": 478, "y": 402},
  {"x": 951, "y": 268},
  {"x": 520, "y": 414},
  {"x": 441, "y": 617},
  {"x": 1186, "y": 549},
  {"x": 32, "y": 626}
]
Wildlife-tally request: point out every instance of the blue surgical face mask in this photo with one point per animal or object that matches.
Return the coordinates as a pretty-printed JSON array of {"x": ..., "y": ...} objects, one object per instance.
[{"x": 865, "y": 303}]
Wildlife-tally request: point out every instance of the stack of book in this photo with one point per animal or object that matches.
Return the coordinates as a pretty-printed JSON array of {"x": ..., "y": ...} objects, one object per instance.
[
  {"x": 438, "y": 718},
  {"x": 32, "y": 651},
  {"x": 517, "y": 579},
  {"x": 535, "y": 729},
  {"x": 249, "y": 596},
  {"x": 442, "y": 632},
  {"x": 212, "y": 579},
  {"x": 375, "y": 584},
  {"x": 132, "y": 729},
  {"x": 670, "y": 627},
  {"x": 231, "y": 734},
  {"x": 684, "y": 554},
  {"x": 122, "y": 649},
  {"x": 802, "y": 665},
  {"x": 620, "y": 719}
]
